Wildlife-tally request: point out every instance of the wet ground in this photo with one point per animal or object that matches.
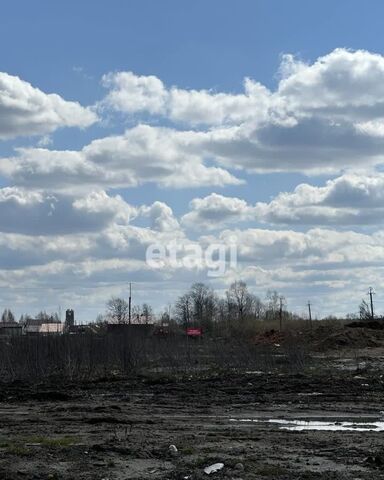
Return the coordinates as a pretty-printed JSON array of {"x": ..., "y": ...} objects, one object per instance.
[{"x": 318, "y": 425}]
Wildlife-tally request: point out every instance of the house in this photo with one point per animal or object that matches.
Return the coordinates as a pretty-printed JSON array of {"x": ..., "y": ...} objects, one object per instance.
[
  {"x": 51, "y": 328},
  {"x": 31, "y": 326},
  {"x": 37, "y": 326}
]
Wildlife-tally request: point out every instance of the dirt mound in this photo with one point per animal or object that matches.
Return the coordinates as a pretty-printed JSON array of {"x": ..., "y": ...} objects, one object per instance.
[
  {"x": 373, "y": 325},
  {"x": 271, "y": 337},
  {"x": 352, "y": 338}
]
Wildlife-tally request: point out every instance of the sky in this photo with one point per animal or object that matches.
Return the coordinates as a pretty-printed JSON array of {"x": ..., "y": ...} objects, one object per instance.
[{"x": 248, "y": 124}]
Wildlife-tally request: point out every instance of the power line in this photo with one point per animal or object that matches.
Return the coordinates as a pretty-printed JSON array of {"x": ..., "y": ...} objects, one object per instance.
[
  {"x": 129, "y": 303},
  {"x": 310, "y": 314},
  {"x": 281, "y": 313},
  {"x": 371, "y": 293}
]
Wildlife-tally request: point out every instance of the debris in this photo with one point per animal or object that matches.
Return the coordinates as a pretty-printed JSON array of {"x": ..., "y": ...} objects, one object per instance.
[
  {"x": 173, "y": 450},
  {"x": 213, "y": 468}
]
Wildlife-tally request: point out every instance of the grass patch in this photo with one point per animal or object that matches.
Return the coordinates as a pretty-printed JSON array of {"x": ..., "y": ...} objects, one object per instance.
[
  {"x": 188, "y": 450},
  {"x": 20, "y": 446},
  {"x": 59, "y": 442}
]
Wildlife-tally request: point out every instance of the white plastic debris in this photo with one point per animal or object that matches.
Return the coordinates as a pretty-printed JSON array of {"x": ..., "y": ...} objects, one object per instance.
[
  {"x": 173, "y": 450},
  {"x": 213, "y": 468}
]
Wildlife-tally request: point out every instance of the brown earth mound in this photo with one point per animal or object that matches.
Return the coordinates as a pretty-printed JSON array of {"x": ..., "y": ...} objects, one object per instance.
[
  {"x": 271, "y": 337},
  {"x": 352, "y": 338}
]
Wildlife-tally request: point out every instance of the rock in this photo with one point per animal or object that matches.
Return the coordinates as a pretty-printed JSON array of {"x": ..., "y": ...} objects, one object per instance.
[{"x": 239, "y": 466}]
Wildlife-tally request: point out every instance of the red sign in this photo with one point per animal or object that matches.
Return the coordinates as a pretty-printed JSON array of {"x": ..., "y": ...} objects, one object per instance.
[{"x": 194, "y": 332}]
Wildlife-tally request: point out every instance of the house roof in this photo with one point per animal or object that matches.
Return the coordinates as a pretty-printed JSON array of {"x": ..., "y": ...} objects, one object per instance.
[{"x": 10, "y": 325}]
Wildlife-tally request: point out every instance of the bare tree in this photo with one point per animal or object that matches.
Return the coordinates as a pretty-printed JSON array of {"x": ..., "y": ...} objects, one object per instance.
[
  {"x": 7, "y": 316},
  {"x": 117, "y": 309},
  {"x": 238, "y": 296},
  {"x": 203, "y": 304},
  {"x": 146, "y": 313},
  {"x": 142, "y": 313},
  {"x": 183, "y": 309},
  {"x": 257, "y": 306},
  {"x": 365, "y": 311},
  {"x": 197, "y": 307},
  {"x": 45, "y": 317},
  {"x": 273, "y": 304}
]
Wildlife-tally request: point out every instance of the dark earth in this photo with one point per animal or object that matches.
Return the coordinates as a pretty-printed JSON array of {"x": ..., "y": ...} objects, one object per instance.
[{"x": 122, "y": 428}]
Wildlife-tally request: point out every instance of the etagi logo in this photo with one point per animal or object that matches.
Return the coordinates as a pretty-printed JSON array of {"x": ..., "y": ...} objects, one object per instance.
[{"x": 216, "y": 258}]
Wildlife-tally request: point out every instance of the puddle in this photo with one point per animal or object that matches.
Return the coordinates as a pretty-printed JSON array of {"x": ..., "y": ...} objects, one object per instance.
[{"x": 302, "y": 425}]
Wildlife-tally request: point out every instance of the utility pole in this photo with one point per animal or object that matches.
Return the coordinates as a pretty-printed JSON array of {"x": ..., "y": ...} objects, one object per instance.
[
  {"x": 371, "y": 293},
  {"x": 310, "y": 314},
  {"x": 281, "y": 313},
  {"x": 129, "y": 303}
]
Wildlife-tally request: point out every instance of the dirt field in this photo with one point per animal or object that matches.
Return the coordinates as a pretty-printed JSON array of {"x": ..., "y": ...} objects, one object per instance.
[{"x": 123, "y": 429}]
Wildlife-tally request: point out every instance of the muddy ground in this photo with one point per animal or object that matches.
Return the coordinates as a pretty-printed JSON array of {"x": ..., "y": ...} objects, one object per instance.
[{"x": 122, "y": 428}]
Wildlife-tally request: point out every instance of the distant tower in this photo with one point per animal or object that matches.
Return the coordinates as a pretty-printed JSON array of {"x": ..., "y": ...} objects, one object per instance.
[{"x": 69, "y": 318}]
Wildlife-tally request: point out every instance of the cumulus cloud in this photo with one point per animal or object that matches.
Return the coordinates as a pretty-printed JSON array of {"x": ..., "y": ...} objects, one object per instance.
[
  {"x": 131, "y": 93},
  {"x": 161, "y": 216},
  {"x": 318, "y": 247},
  {"x": 351, "y": 199},
  {"x": 214, "y": 211},
  {"x": 266, "y": 258},
  {"x": 347, "y": 200},
  {"x": 26, "y": 110},
  {"x": 323, "y": 117},
  {"x": 343, "y": 82},
  {"x": 312, "y": 145},
  {"x": 39, "y": 213},
  {"x": 143, "y": 154}
]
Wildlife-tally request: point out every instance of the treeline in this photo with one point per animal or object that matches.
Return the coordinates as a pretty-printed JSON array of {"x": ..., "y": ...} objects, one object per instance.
[
  {"x": 238, "y": 312},
  {"x": 8, "y": 317}
]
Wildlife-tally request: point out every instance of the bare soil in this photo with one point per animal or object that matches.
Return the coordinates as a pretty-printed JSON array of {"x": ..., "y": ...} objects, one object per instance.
[{"x": 122, "y": 428}]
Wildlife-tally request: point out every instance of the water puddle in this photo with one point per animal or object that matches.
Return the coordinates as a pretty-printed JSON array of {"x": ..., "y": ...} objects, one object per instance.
[{"x": 302, "y": 425}]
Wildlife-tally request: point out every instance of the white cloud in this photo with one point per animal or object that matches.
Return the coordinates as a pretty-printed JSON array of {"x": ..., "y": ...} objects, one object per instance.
[
  {"x": 131, "y": 93},
  {"x": 214, "y": 211},
  {"x": 351, "y": 199},
  {"x": 343, "y": 82},
  {"x": 60, "y": 229},
  {"x": 322, "y": 118},
  {"x": 311, "y": 145},
  {"x": 79, "y": 265},
  {"x": 26, "y": 110},
  {"x": 42, "y": 213},
  {"x": 347, "y": 200},
  {"x": 318, "y": 247},
  {"x": 162, "y": 217},
  {"x": 143, "y": 154}
]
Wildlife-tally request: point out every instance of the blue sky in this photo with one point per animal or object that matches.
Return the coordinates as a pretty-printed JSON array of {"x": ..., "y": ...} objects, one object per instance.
[
  {"x": 191, "y": 44},
  {"x": 305, "y": 120}
]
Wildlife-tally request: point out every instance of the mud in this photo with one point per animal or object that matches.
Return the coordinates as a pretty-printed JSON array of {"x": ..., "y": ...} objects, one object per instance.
[{"x": 122, "y": 429}]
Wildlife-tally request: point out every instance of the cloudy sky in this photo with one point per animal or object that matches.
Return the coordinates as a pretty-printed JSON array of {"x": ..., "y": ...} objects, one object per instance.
[{"x": 127, "y": 124}]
